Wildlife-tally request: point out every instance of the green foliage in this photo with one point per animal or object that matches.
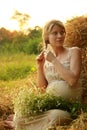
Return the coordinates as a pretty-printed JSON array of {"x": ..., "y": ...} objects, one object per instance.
[
  {"x": 15, "y": 72},
  {"x": 17, "y": 42},
  {"x": 16, "y": 66},
  {"x": 8, "y": 48},
  {"x": 31, "y": 103},
  {"x": 32, "y": 46}
]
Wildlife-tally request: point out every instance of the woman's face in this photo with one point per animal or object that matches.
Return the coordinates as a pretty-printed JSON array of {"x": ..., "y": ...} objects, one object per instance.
[{"x": 56, "y": 36}]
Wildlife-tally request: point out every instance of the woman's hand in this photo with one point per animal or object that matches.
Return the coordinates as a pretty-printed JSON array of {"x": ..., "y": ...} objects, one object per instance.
[
  {"x": 40, "y": 59},
  {"x": 49, "y": 56},
  {"x": 45, "y": 55}
]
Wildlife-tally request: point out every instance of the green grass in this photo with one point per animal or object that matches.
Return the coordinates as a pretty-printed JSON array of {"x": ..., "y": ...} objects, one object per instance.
[
  {"x": 17, "y": 66},
  {"x": 16, "y": 71}
]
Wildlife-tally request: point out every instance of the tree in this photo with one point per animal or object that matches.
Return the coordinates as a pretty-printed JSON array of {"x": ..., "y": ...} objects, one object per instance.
[{"x": 22, "y": 19}]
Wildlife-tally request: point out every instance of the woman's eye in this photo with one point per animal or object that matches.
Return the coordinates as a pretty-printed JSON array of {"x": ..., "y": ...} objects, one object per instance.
[
  {"x": 54, "y": 33},
  {"x": 62, "y": 32}
]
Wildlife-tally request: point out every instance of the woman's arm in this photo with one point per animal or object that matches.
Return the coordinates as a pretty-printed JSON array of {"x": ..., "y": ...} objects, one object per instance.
[
  {"x": 75, "y": 64},
  {"x": 41, "y": 80}
]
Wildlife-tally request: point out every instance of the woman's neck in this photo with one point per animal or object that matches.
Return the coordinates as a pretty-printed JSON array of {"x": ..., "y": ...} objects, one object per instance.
[{"x": 58, "y": 51}]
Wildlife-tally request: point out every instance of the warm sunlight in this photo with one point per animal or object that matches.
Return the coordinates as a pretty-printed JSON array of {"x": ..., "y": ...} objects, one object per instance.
[{"x": 40, "y": 11}]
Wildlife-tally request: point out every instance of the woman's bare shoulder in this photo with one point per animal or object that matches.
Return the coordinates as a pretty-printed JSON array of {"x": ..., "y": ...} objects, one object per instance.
[{"x": 75, "y": 48}]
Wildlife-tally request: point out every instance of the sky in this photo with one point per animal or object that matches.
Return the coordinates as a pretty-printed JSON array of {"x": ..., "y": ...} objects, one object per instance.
[{"x": 40, "y": 11}]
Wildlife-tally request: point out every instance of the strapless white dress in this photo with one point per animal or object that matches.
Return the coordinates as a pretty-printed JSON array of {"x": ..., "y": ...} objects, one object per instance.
[{"x": 58, "y": 87}]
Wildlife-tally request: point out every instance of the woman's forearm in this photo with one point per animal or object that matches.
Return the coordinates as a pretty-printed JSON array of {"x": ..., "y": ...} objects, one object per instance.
[
  {"x": 41, "y": 81},
  {"x": 64, "y": 73}
]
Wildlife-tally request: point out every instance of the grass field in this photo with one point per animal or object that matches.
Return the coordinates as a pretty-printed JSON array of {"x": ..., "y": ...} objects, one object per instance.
[
  {"x": 18, "y": 71},
  {"x": 17, "y": 66}
]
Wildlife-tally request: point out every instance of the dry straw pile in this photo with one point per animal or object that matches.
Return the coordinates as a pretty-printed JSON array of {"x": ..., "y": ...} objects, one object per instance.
[{"x": 76, "y": 35}]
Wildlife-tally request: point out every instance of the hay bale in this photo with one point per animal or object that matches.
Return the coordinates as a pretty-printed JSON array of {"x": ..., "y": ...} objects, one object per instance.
[
  {"x": 76, "y": 32},
  {"x": 76, "y": 35}
]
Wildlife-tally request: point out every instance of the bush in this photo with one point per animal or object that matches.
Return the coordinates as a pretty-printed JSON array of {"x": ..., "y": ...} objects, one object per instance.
[{"x": 30, "y": 103}]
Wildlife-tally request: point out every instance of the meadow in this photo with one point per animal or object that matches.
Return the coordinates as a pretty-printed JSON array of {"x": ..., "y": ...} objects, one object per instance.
[
  {"x": 18, "y": 65},
  {"x": 16, "y": 72}
]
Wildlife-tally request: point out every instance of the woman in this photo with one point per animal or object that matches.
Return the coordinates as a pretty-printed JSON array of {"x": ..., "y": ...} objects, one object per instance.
[
  {"x": 60, "y": 64},
  {"x": 59, "y": 71}
]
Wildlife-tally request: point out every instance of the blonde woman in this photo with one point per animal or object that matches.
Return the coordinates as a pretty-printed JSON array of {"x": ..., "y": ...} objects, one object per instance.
[{"x": 59, "y": 71}]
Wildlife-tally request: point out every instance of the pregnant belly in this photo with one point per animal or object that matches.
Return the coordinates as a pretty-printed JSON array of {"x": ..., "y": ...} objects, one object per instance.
[{"x": 61, "y": 88}]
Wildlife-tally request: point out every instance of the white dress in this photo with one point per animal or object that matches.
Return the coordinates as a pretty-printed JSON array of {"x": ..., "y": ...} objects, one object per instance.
[{"x": 58, "y": 87}]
